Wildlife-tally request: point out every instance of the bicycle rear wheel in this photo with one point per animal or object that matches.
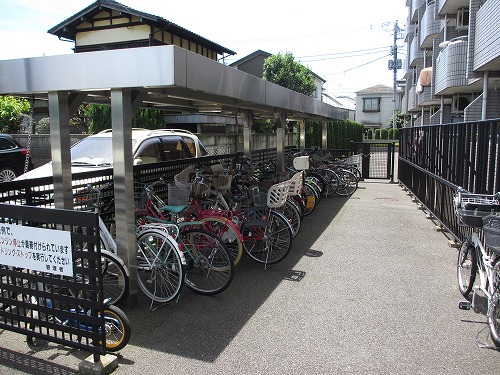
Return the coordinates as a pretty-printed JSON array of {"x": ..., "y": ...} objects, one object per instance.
[
  {"x": 331, "y": 179},
  {"x": 270, "y": 240},
  {"x": 210, "y": 268},
  {"x": 115, "y": 279},
  {"x": 225, "y": 230},
  {"x": 160, "y": 266},
  {"x": 348, "y": 183},
  {"x": 466, "y": 268},
  {"x": 494, "y": 304}
]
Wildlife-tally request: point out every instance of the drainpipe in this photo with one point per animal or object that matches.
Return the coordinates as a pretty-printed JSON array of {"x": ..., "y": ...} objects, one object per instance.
[
  {"x": 441, "y": 112},
  {"x": 485, "y": 95}
]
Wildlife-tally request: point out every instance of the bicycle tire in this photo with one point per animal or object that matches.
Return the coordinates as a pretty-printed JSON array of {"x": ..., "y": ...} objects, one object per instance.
[
  {"x": 292, "y": 213},
  {"x": 160, "y": 277},
  {"x": 117, "y": 327},
  {"x": 355, "y": 171},
  {"x": 227, "y": 232},
  {"x": 210, "y": 268},
  {"x": 313, "y": 182},
  {"x": 318, "y": 179},
  {"x": 268, "y": 243},
  {"x": 332, "y": 181},
  {"x": 466, "y": 268},
  {"x": 115, "y": 279},
  {"x": 348, "y": 183},
  {"x": 494, "y": 304},
  {"x": 309, "y": 198}
]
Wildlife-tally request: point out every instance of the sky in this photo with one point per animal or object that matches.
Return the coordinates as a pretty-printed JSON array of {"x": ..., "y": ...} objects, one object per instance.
[{"x": 347, "y": 43}]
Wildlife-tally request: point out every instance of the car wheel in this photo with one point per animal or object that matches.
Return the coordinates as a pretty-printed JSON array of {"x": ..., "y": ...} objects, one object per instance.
[{"x": 7, "y": 174}]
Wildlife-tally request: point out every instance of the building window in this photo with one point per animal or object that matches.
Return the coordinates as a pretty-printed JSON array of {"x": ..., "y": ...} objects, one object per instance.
[{"x": 371, "y": 104}]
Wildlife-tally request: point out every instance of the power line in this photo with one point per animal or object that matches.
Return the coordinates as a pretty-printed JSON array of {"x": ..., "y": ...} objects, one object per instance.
[{"x": 346, "y": 57}]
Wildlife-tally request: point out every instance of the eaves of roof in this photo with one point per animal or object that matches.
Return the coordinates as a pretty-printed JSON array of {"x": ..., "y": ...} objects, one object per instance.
[{"x": 67, "y": 29}]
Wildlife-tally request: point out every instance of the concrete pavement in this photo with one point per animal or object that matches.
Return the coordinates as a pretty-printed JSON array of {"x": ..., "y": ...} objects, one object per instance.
[{"x": 369, "y": 288}]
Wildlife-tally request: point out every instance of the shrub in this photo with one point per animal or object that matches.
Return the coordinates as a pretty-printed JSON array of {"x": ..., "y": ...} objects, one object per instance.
[
  {"x": 377, "y": 133},
  {"x": 383, "y": 133},
  {"x": 43, "y": 126},
  {"x": 369, "y": 134}
]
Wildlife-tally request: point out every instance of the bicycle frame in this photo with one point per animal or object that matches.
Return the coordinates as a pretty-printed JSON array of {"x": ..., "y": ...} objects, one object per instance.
[{"x": 485, "y": 268}]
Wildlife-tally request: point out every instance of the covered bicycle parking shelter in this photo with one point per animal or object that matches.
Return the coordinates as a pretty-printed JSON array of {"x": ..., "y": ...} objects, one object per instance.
[{"x": 163, "y": 77}]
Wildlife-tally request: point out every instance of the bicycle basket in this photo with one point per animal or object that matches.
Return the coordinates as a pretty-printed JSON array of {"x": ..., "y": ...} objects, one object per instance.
[
  {"x": 301, "y": 163},
  {"x": 472, "y": 208},
  {"x": 222, "y": 182},
  {"x": 178, "y": 194},
  {"x": 140, "y": 197},
  {"x": 491, "y": 229},
  {"x": 354, "y": 160},
  {"x": 185, "y": 176},
  {"x": 277, "y": 194},
  {"x": 202, "y": 186},
  {"x": 88, "y": 199}
]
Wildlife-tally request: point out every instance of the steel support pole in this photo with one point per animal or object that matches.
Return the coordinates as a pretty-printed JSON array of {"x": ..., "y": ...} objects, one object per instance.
[
  {"x": 324, "y": 134},
  {"x": 247, "y": 119},
  {"x": 280, "y": 119},
  {"x": 60, "y": 149},
  {"x": 302, "y": 134},
  {"x": 121, "y": 120}
]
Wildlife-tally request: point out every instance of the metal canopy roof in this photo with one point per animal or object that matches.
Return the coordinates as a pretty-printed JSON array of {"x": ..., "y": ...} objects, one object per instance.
[{"x": 165, "y": 77}]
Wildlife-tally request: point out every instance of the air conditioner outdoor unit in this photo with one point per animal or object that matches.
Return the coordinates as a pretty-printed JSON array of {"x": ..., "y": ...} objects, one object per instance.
[
  {"x": 463, "y": 19},
  {"x": 459, "y": 102}
]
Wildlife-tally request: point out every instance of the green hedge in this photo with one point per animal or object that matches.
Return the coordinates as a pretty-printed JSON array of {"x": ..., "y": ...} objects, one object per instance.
[{"x": 340, "y": 134}]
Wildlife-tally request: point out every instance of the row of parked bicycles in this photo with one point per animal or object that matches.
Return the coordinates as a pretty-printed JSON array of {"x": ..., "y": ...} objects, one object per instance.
[{"x": 194, "y": 230}]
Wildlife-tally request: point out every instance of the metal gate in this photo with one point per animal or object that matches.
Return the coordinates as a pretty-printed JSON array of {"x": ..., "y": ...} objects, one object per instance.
[
  {"x": 50, "y": 279},
  {"x": 377, "y": 159}
]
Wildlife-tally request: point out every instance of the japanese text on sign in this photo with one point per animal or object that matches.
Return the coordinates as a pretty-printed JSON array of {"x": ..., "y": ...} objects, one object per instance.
[{"x": 38, "y": 249}]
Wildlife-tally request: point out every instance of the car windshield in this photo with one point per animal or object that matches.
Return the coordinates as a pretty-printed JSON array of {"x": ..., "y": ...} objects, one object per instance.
[{"x": 92, "y": 151}]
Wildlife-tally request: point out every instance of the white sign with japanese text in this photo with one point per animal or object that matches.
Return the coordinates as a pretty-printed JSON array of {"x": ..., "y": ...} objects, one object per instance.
[{"x": 38, "y": 249}]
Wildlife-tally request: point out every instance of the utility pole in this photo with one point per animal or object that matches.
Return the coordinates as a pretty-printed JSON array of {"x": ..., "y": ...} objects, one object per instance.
[{"x": 394, "y": 65}]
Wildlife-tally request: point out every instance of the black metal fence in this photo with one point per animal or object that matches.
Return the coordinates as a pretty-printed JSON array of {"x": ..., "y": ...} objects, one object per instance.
[
  {"x": 50, "y": 279},
  {"x": 435, "y": 160}
]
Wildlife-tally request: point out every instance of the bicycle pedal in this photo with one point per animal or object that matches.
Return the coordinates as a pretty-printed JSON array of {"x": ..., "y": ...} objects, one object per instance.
[{"x": 464, "y": 305}]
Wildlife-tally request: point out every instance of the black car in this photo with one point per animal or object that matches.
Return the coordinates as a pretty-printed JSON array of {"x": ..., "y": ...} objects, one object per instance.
[{"x": 12, "y": 158}]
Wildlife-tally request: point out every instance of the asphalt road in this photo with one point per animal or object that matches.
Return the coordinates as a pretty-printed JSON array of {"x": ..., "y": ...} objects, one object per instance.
[{"x": 369, "y": 288}]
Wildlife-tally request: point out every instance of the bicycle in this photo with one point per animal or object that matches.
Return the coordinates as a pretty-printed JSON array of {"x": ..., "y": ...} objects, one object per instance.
[
  {"x": 117, "y": 326},
  {"x": 480, "y": 211},
  {"x": 160, "y": 263},
  {"x": 209, "y": 267}
]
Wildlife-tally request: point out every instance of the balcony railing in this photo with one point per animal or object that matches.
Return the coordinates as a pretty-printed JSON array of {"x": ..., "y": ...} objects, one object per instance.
[
  {"x": 429, "y": 26},
  {"x": 451, "y": 66}
]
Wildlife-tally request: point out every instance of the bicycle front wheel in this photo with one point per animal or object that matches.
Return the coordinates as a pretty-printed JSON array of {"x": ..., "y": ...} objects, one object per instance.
[
  {"x": 118, "y": 329},
  {"x": 466, "y": 268},
  {"x": 271, "y": 240},
  {"x": 210, "y": 268},
  {"x": 494, "y": 304},
  {"x": 160, "y": 266}
]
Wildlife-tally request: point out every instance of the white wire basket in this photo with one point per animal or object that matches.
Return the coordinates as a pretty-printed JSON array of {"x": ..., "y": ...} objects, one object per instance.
[
  {"x": 185, "y": 176},
  {"x": 140, "y": 196},
  {"x": 178, "y": 194},
  {"x": 354, "y": 160}
]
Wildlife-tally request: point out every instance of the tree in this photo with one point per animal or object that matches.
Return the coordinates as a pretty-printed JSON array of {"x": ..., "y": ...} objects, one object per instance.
[
  {"x": 284, "y": 71},
  {"x": 401, "y": 120},
  {"x": 11, "y": 110}
]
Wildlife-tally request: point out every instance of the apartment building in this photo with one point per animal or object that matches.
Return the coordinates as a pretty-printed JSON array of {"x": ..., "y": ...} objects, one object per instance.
[{"x": 452, "y": 69}]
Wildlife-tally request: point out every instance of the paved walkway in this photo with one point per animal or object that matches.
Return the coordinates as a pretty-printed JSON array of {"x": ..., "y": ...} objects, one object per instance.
[{"x": 369, "y": 288}]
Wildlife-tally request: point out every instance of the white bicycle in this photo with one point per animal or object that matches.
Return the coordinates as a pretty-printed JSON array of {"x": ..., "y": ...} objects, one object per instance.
[{"x": 479, "y": 211}]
